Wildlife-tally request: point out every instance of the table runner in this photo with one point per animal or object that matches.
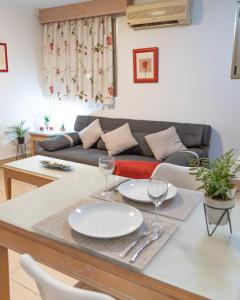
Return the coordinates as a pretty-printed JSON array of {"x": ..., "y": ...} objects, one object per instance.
[
  {"x": 179, "y": 207},
  {"x": 57, "y": 228}
]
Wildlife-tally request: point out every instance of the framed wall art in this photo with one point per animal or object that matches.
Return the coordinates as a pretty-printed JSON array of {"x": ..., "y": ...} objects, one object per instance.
[
  {"x": 235, "y": 73},
  {"x": 3, "y": 58},
  {"x": 145, "y": 65}
]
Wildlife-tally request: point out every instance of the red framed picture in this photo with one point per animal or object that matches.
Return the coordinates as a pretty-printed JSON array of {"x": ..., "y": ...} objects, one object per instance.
[
  {"x": 145, "y": 65},
  {"x": 3, "y": 58}
]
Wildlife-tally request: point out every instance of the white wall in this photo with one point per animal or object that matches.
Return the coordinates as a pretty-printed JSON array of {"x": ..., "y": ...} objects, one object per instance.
[
  {"x": 20, "y": 92},
  {"x": 194, "y": 75},
  {"x": 21, "y": 88}
]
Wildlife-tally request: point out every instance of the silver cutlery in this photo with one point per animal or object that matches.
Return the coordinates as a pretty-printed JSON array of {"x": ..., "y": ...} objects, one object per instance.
[
  {"x": 145, "y": 232},
  {"x": 153, "y": 237},
  {"x": 115, "y": 187}
]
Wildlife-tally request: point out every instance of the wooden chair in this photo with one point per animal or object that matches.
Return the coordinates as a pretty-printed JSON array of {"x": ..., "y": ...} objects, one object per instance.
[{"x": 51, "y": 289}]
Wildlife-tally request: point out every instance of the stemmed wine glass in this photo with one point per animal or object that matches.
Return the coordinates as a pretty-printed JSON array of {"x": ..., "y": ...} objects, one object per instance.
[
  {"x": 157, "y": 192},
  {"x": 106, "y": 166}
]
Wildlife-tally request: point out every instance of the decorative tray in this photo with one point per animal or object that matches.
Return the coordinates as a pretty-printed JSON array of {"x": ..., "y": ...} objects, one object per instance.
[{"x": 55, "y": 165}]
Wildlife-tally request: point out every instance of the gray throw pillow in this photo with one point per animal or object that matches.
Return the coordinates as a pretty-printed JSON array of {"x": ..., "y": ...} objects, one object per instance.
[{"x": 61, "y": 141}]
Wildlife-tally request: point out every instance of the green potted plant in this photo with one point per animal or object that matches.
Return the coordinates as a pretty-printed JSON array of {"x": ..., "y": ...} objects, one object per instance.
[
  {"x": 216, "y": 179},
  {"x": 18, "y": 131},
  {"x": 46, "y": 121}
]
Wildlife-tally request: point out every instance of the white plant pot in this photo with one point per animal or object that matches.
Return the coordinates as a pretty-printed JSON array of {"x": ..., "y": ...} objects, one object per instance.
[{"x": 213, "y": 214}]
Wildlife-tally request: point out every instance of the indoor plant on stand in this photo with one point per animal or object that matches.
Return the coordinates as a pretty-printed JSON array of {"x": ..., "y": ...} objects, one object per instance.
[
  {"x": 18, "y": 131},
  {"x": 216, "y": 179}
]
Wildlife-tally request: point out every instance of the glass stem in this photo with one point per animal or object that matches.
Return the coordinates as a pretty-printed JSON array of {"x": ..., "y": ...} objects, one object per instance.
[
  {"x": 106, "y": 185},
  {"x": 156, "y": 214}
]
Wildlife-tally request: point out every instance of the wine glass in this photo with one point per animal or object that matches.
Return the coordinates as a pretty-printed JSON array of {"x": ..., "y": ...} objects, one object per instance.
[
  {"x": 106, "y": 166},
  {"x": 157, "y": 192}
]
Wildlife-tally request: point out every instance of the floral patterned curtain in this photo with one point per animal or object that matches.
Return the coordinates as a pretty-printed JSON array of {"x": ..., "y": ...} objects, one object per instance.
[{"x": 78, "y": 59}]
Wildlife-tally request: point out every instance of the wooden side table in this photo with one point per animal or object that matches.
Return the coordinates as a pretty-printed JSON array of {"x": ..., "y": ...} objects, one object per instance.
[{"x": 37, "y": 136}]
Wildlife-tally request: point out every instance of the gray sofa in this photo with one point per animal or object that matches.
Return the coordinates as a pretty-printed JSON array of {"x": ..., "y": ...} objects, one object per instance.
[{"x": 195, "y": 137}]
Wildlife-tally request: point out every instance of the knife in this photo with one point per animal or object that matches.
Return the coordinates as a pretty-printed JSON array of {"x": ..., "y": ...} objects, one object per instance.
[{"x": 153, "y": 237}]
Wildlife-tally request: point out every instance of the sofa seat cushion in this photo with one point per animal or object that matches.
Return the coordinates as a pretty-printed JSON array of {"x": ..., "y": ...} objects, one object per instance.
[
  {"x": 88, "y": 156},
  {"x": 135, "y": 169},
  {"x": 77, "y": 154}
]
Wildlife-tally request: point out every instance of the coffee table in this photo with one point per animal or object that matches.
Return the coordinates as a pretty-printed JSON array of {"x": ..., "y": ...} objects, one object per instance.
[{"x": 31, "y": 171}]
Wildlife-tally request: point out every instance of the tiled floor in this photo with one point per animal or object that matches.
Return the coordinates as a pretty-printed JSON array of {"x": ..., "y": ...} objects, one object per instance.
[{"x": 22, "y": 286}]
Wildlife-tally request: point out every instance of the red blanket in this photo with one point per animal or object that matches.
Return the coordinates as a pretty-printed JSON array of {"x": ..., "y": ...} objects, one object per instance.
[{"x": 135, "y": 169}]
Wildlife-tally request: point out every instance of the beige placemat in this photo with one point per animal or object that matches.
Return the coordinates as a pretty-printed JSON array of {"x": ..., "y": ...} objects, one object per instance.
[
  {"x": 179, "y": 207},
  {"x": 57, "y": 228}
]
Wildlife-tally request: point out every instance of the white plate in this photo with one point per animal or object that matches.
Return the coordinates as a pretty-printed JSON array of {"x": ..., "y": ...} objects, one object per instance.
[
  {"x": 105, "y": 220},
  {"x": 137, "y": 190}
]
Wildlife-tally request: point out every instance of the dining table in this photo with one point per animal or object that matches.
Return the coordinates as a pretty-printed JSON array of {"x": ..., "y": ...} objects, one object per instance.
[{"x": 191, "y": 265}]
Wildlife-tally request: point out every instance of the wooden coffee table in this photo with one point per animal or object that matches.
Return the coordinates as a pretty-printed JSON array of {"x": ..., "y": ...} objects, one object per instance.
[{"x": 31, "y": 171}]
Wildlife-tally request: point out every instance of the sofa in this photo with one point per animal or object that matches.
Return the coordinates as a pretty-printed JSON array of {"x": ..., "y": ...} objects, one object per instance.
[{"x": 196, "y": 137}]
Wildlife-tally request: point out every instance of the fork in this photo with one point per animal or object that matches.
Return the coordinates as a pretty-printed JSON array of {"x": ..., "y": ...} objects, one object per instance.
[
  {"x": 145, "y": 232},
  {"x": 152, "y": 237},
  {"x": 116, "y": 186}
]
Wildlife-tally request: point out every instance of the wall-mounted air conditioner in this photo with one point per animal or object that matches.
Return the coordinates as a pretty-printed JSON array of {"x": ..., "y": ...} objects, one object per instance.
[{"x": 159, "y": 14}]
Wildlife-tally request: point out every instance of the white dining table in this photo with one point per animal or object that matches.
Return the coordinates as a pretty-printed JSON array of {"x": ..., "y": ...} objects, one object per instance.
[{"x": 190, "y": 266}]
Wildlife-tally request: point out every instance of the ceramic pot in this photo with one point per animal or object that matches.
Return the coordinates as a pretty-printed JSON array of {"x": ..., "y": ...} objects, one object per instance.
[
  {"x": 214, "y": 212},
  {"x": 21, "y": 140}
]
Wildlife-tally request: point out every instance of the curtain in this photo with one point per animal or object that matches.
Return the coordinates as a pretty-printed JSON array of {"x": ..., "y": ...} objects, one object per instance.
[{"x": 78, "y": 59}]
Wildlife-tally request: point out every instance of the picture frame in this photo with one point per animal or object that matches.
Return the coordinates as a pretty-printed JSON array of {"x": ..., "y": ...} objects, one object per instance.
[
  {"x": 3, "y": 58},
  {"x": 145, "y": 65}
]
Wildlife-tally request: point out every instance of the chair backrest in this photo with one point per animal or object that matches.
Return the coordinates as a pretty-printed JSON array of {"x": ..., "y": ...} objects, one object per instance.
[
  {"x": 177, "y": 175},
  {"x": 51, "y": 289}
]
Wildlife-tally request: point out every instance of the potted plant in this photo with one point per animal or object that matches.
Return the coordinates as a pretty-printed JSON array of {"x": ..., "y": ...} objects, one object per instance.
[
  {"x": 18, "y": 131},
  {"x": 216, "y": 179},
  {"x": 46, "y": 121}
]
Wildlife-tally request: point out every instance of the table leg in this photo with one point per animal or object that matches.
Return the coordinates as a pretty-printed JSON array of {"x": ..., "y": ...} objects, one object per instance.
[
  {"x": 4, "y": 274},
  {"x": 33, "y": 146},
  {"x": 8, "y": 185}
]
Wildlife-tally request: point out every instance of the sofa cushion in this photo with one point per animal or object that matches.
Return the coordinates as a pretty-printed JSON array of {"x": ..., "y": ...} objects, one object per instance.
[
  {"x": 76, "y": 154},
  {"x": 61, "y": 141},
  {"x": 119, "y": 140},
  {"x": 164, "y": 143},
  {"x": 88, "y": 156},
  {"x": 91, "y": 134},
  {"x": 141, "y": 149},
  {"x": 192, "y": 135}
]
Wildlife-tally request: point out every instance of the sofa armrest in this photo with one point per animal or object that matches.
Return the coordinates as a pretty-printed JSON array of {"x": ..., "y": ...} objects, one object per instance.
[
  {"x": 182, "y": 158},
  {"x": 61, "y": 141}
]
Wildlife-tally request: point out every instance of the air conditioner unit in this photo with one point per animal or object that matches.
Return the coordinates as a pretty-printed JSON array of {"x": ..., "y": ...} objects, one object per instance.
[{"x": 159, "y": 14}]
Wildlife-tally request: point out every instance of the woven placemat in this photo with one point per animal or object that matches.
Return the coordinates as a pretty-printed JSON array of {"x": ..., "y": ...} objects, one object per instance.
[
  {"x": 56, "y": 227},
  {"x": 179, "y": 207}
]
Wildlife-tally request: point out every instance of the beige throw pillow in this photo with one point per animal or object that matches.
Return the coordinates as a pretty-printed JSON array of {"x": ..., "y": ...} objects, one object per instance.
[
  {"x": 164, "y": 143},
  {"x": 91, "y": 134},
  {"x": 119, "y": 140}
]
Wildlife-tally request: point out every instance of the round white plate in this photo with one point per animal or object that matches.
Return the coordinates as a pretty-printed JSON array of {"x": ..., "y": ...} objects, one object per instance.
[
  {"x": 136, "y": 190},
  {"x": 105, "y": 220}
]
